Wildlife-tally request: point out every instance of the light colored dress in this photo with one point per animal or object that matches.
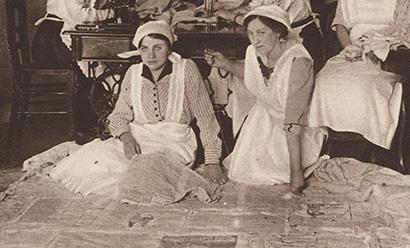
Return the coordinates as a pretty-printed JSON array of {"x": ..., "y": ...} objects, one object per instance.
[
  {"x": 100, "y": 166},
  {"x": 358, "y": 96},
  {"x": 261, "y": 154}
]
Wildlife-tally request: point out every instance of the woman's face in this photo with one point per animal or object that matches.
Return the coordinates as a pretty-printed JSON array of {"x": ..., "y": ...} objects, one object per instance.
[
  {"x": 262, "y": 37},
  {"x": 154, "y": 53}
]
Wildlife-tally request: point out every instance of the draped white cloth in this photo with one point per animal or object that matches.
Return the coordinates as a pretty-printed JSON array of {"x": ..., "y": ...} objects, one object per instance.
[
  {"x": 99, "y": 166},
  {"x": 74, "y": 12},
  {"x": 358, "y": 96}
]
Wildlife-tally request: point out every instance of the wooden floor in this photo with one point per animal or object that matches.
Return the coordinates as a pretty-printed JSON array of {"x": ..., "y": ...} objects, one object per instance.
[
  {"x": 40, "y": 134},
  {"x": 41, "y": 213}
]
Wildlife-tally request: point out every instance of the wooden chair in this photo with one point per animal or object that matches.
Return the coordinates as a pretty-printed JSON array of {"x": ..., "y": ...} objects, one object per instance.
[
  {"x": 354, "y": 145},
  {"x": 35, "y": 90}
]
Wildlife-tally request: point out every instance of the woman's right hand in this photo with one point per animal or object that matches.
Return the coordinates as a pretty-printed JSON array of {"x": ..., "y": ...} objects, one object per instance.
[
  {"x": 216, "y": 59},
  {"x": 131, "y": 146}
]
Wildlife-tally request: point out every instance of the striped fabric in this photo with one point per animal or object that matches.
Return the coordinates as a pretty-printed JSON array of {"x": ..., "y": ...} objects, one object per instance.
[{"x": 154, "y": 102}]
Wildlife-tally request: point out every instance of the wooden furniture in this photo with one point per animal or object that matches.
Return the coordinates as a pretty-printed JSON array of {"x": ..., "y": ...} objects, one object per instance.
[
  {"x": 399, "y": 62},
  {"x": 102, "y": 43},
  {"x": 34, "y": 89}
]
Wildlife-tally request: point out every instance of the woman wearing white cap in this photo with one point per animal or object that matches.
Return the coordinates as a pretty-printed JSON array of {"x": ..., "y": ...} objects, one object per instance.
[
  {"x": 304, "y": 24},
  {"x": 278, "y": 76},
  {"x": 150, "y": 124}
]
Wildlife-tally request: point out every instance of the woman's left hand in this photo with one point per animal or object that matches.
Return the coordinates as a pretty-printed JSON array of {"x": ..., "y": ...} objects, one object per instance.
[
  {"x": 214, "y": 174},
  {"x": 216, "y": 59}
]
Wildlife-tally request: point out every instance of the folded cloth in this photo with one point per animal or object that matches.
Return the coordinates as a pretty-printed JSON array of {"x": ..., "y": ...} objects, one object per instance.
[
  {"x": 152, "y": 8},
  {"x": 381, "y": 44},
  {"x": 50, "y": 156},
  {"x": 156, "y": 179},
  {"x": 343, "y": 171},
  {"x": 188, "y": 16},
  {"x": 387, "y": 191}
]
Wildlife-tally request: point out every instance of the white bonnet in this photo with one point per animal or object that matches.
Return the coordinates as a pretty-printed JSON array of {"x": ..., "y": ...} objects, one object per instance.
[
  {"x": 273, "y": 12},
  {"x": 151, "y": 27}
]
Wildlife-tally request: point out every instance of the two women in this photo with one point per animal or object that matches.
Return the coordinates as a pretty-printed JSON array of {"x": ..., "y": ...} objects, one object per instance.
[
  {"x": 277, "y": 83},
  {"x": 161, "y": 96},
  {"x": 153, "y": 146}
]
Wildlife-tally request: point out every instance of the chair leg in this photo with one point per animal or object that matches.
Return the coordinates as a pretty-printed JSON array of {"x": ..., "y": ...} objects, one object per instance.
[
  {"x": 14, "y": 118},
  {"x": 24, "y": 103}
]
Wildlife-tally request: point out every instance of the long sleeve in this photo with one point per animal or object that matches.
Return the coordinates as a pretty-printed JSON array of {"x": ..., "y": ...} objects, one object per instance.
[
  {"x": 300, "y": 89},
  {"x": 81, "y": 12},
  {"x": 122, "y": 114},
  {"x": 201, "y": 107}
]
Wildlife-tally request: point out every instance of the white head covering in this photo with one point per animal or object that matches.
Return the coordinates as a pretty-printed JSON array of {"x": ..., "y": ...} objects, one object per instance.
[
  {"x": 273, "y": 12},
  {"x": 151, "y": 27}
]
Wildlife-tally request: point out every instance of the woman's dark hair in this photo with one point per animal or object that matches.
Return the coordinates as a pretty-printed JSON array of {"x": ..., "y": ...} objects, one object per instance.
[
  {"x": 275, "y": 26},
  {"x": 159, "y": 37}
]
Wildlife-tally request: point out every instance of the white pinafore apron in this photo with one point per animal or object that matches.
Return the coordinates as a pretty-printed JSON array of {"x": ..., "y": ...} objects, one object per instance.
[
  {"x": 261, "y": 153},
  {"x": 99, "y": 166}
]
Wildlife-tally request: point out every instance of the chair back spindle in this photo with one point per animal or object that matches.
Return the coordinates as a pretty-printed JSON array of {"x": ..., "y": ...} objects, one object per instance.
[{"x": 17, "y": 33}]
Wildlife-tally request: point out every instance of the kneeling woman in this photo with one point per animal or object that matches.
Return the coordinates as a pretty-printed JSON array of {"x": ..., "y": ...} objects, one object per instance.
[
  {"x": 278, "y": 76},
  {"x": 153, "y": 144}
]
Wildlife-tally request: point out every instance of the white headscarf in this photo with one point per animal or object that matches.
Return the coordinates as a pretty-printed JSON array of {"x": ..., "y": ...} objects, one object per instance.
[
  {"x": 151, "y": 27},
  {"x": 273, "y": 12}
]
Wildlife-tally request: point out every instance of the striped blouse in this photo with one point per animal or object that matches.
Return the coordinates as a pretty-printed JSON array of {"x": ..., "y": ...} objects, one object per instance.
[{"x": 154, "y": 103}]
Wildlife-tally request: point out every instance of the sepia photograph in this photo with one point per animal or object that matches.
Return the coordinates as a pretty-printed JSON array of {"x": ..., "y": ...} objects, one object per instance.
[{"x": 204, "y": 123}]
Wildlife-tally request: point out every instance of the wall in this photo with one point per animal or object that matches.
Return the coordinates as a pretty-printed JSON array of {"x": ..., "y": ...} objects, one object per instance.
[{"x": 35, "y": 10}]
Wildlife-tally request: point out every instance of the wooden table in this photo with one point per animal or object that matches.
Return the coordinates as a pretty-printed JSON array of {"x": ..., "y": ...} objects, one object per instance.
[{"x": 103, "y": 43}]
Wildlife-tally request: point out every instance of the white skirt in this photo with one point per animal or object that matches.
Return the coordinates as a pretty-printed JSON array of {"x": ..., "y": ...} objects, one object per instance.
[
  {"x": 99, "y": 166},
  {"x": 357, "y": 97}
]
